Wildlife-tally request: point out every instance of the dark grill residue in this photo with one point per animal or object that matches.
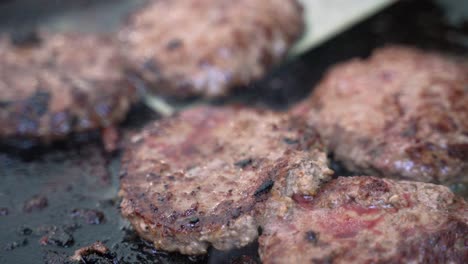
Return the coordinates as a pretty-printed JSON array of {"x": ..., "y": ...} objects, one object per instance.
[{"x": 264, "y": 188}]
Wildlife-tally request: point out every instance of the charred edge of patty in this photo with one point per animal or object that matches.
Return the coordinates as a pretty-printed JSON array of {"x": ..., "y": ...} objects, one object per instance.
[{"x": 30, "y": 119}]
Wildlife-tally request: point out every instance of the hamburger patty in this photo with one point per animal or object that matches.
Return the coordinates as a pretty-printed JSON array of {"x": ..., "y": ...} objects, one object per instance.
[
  {"x": 401, "y": 113},
  {"x": 206, "y": 47},
  {"x": 62, "y": 84},
  {"x": 195, "y": 180},
  {"x": 366, "y": 220}
]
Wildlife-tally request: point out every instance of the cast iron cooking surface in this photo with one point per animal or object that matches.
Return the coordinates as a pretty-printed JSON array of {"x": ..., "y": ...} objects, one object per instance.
[{"x": 57, "y": 199}]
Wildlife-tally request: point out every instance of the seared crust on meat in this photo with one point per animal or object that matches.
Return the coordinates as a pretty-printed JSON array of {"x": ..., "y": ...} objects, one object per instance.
[
  {"x": 402, "y": 113},
  {"x": 63, "y": 84},
  {"x": 195, "y": 180},
  {"x": 367, "y": 220},
  {"x": 206, "y": 47}
]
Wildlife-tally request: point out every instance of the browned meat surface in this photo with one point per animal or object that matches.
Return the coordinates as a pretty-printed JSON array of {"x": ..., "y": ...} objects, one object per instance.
[
  {"x": 206, "y": 47},
  {"x": 97, "y": 248},
  {"x": 195, "y": 180},
  {"x": 401, "y": 113},
  {"x": 63, "y": 84},
  {"x": 366, "y": 220}
]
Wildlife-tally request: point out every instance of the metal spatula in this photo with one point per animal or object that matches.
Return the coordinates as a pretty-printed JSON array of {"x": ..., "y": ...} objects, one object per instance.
[
  {"x": 324, "y": 19},
  {"x": 327, "y": 18}
]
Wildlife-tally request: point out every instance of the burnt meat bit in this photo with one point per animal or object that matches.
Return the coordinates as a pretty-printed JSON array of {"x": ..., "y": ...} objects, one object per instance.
[
  {"x": 183, "y": 188},
  {"x": 57, "y": 236},
  {"x": 89, "y": 216},
  {"x": 206, "y": 47},
  {"x": 35, "y": 203},
  {"x": 97, "y": 248},
  {"x": 402, "y": 113},
  {"x": 16, "y": 244},
  {"x": 367, "y": 220},
  {"x": 69, "y": 83}
]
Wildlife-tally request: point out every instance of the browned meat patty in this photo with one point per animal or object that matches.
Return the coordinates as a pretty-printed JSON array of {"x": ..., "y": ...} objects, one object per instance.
[
  {"x": 367, "y": 220},
  {"x": 206, "y": 47},
  {"x": 194, "y": 180},
  {"x": 63, "y": 84},
  {"x": 401, "y": 113}
]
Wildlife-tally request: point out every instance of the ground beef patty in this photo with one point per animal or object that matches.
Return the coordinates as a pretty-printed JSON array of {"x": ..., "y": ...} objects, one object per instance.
[
  {"x": 401, "y": 113},
  {"x": 206, "y": 47},
  {"x": 367, "y": 220},
  {"x": 195, "y": 180},
  {"x": 59, "y": 84}
]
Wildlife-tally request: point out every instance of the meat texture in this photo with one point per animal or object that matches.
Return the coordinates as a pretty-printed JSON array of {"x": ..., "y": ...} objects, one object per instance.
[
  {"x": 53, "y": 85},
  {"x": 401, "y": 113},
  {"x": 366, "y": 220},
  {"x": 196, "y": 179},
  {"x": 206, "y": 47}
]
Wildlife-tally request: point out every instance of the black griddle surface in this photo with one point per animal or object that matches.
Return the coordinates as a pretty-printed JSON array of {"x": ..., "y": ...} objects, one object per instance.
[{"x": 77, "y": 176}]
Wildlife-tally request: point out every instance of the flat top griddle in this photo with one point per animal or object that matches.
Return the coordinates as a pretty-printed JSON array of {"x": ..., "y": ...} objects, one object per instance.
[{"x": 80, "y": 181}]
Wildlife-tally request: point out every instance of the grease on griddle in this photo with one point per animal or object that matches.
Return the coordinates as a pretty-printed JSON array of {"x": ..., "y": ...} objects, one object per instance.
[
  {"x": 16, "y": 244},
  {"x": 89, "y": 216},
  {"x": 4, "y": 211}
]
